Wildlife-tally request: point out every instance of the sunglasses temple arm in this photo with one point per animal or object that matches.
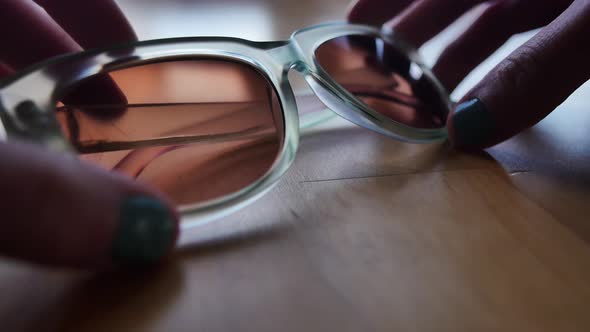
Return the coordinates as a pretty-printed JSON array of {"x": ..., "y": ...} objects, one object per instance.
[{"x": 105, "y": 146}]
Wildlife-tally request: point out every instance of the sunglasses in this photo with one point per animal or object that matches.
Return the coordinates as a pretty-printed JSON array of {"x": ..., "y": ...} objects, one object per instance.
[{"x": 212, "y": 122}]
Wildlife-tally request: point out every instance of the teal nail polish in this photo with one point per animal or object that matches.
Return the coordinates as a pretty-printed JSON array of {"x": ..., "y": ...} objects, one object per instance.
[
  {"x": 146, "y": 231},
  {"x": 473, "y": 123}
]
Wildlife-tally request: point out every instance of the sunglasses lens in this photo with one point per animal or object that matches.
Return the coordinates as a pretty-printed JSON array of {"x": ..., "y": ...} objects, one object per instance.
[
  {"x": 385, "y": 79},
  {"x": 194, "y": 129}
]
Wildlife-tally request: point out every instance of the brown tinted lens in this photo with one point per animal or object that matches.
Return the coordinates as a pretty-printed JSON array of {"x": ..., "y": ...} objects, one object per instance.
[
  {"x": 384, "y": 79},
  {"x": 194, "y": 129}
]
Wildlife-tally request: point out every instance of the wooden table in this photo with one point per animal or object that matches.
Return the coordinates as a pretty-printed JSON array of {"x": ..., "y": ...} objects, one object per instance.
[{"x": 363, "y": 234}]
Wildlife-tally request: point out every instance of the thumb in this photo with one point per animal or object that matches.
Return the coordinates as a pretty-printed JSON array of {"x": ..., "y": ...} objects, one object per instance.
[
  {"x": 60, "y": 211},
  {"x": 528, "y": 85}
]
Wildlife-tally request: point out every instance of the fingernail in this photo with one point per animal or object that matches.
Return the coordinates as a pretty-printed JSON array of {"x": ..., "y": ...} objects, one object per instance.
[
  {"x": 473, "y": 124},
  {"x": 146, "y": 231}
]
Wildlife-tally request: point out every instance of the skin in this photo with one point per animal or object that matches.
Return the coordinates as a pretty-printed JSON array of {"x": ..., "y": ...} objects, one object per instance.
[
  {"x": 57, "y": 210},
  {"x": 528, "y": 84}
]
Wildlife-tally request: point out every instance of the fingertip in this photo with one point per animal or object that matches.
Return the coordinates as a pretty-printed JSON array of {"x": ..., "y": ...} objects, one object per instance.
[
  {"x": 63, "y": 212},
  {"x": 355, "y": 12},
  {"x": 145, "y": 224},
  {"x": 147, "y": 231},
  {"x": 471, "y": 126},
  {"x": 81, "y": 19},
  {"x": 5, "y": 70},
  {"x": 375, "y": 12},
  {"x": 99, "y": 96}
]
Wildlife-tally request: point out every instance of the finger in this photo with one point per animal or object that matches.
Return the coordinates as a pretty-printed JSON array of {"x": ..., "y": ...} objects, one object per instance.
[
  {"x": 34, "y": 36},
  {"x": 5, "y": 70},
  {"x": 99, "y": 90},
  {"x": 30, "y": 34},
  {"x": 489, "y": 32},
  {"x": 376, "y": 12},
  {"x": 92, "y": 24},
  {"x": 59, "y": 211},
  {"x": 528, "y": 85},
  {"x": 424, "y": 19}
]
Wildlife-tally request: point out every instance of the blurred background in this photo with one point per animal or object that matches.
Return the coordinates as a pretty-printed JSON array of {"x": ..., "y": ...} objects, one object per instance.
[
  {"x": 276, "y": 19},
  {"x": 250, "y": 19}
]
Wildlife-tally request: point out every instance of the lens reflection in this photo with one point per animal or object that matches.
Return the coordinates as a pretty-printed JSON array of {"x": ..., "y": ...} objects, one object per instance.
[
  {"x": 384, "y": 79},
  {"x": 194, "y": 129}
]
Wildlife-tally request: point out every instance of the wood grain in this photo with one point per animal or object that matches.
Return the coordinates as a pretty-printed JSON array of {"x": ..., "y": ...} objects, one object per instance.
[{"x": 363, "y": 234}]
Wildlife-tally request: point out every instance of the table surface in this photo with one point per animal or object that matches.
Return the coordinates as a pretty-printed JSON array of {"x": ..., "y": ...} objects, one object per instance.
[{"x": 363, "y": 234}]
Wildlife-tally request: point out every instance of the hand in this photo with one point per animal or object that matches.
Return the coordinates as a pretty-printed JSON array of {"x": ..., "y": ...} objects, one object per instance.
[
  {"x": 521, "y": 90},
  {"x": 55, "y": 209}
]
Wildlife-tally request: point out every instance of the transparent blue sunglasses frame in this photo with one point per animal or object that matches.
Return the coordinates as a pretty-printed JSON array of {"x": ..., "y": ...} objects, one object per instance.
[{"x": 28, "y": 99}]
